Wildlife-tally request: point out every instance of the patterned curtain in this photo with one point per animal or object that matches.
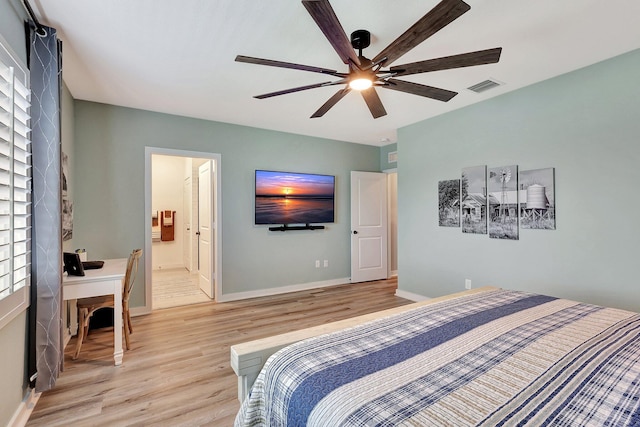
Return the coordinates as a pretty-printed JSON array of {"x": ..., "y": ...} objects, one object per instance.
[{"x": 46, "y": 239}]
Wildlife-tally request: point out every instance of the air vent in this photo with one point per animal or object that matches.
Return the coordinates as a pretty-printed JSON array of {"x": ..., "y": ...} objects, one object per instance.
[
  {"x": 484, "y": 86},
  {"x": 392, "y": 157}
]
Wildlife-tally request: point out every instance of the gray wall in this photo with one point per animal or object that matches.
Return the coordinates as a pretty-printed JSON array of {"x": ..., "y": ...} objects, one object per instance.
[
  {"x": 586, "y": 124},
  {"x": 13, "y": 362},
  {"x": 13, "y": 337},
  {"x": 109, "y": 192}
]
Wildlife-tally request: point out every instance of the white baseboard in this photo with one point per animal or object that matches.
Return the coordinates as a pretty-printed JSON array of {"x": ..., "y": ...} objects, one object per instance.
[
  {"x": 237, "y": 296},
  {"x": 281, "y": 290},
  {"x": 140, "y": 311},
  {"x": 410, "y": 296},
  {"x": 168, "y": 267},
  {"x": 22, "y": 414}
]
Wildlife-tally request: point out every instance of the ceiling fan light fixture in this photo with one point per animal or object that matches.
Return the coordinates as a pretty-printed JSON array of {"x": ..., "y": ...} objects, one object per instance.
[{"x": 361, "y": 83}]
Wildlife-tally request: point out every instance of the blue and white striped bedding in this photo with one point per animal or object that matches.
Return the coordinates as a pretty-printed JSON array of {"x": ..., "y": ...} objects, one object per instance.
[{"x": 489, "y": 359}]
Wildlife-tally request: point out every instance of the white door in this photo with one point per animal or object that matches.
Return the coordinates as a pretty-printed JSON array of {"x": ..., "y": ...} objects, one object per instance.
[
  {"x": 205, "y": 249},
  {"x": 186, "y": 224},
  {"x": 368, "y": 226}
]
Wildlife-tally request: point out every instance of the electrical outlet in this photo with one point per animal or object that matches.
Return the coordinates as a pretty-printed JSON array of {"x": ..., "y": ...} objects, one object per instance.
[
  {"x": 467, "y": 283},
  {"x": 317, "y": 263},
  {"x": 326, "y": 263}
]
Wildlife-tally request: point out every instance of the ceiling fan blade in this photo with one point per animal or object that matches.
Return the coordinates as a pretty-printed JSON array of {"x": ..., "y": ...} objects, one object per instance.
[
  {"x": 422, "y": 90},
  {"x": 331, "y": 102},
  {"x": 373, "y": 102},
  {"x": 470, "y": 59},
  {"x": 280, "y": 64},
  {"x": 322, "y": 12},
  {"x": 436, "y": 19},
  {"x": 297, "y": 89}
]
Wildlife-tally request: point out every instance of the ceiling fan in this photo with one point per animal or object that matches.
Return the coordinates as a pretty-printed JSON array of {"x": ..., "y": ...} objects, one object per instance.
[{"x": 365, "y": 74}]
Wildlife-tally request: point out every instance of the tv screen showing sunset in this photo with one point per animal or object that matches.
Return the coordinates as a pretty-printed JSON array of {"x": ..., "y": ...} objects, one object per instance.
[{"x": 293, "y": 198}]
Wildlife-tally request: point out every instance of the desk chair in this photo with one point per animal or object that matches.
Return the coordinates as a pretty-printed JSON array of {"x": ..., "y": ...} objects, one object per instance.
[{"x": 87, "y": 306}]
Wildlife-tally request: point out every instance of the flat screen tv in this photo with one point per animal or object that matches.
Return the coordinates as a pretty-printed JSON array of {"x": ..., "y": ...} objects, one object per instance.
[{"x": 294, "y": 198}]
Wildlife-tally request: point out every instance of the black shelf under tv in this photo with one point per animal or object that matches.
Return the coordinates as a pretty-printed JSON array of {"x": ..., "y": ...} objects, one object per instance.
[{"x": 286, "y": 227}]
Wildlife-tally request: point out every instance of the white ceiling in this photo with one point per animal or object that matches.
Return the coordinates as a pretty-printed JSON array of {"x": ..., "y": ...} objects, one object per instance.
[{"x": 177, "y": 57}]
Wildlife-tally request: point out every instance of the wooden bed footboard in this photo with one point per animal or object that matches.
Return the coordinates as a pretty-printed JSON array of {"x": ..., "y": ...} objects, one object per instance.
[{"x": 248, "y": 358}]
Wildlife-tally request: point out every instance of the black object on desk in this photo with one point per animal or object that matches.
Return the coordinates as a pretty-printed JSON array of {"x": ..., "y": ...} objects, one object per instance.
[
  {"x": 92, "y": 265},
  {"x": 74, "y": 267}
]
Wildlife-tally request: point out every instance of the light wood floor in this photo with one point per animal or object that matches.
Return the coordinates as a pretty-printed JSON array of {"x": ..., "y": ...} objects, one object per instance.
[
  {"x": 177, "y": 371},
  {"x": 175, "y": 287}
]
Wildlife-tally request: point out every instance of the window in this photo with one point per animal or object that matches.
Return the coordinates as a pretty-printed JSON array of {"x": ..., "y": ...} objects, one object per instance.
[{"x": 15, "y": 187}]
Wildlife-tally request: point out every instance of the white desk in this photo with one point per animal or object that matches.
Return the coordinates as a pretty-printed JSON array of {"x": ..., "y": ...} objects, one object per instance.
[{"x": 104, "y": 281}]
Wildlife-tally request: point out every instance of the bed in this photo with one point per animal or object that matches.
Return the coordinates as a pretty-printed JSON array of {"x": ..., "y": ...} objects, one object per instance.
[{"x": 490, "y": 357}]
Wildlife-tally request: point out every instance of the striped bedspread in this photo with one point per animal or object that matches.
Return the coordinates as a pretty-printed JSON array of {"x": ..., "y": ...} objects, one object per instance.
[{"x": 489, "y": 359}]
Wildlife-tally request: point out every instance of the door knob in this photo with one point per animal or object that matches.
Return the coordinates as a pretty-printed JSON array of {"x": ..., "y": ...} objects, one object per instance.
[
  {"x": 355, "y": 231},
  {"x": 197, "y": 233}
]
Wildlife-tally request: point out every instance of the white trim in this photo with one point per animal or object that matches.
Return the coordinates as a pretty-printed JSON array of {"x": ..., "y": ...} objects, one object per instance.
[
  {"x": 13, "y": 305},
  {"x": 235, "y": 296},
  {"x": 411, "y": 296},
  {"x": 139, "y": 311},
  {"x": 24, "y": 410},
  {"x": 389, "y": 172},
  {"x": 217, "y": 158},
  {"x": 16, "y": 58},
  {"x": 168, "y": 267}
]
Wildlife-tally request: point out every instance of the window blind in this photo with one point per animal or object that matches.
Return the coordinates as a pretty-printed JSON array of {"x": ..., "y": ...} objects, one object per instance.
[{"x": 15, "y": 186}]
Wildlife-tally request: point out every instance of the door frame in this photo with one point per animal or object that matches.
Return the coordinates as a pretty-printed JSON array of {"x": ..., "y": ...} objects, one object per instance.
[
  {"x": 216, "y": 262},
  {"x": 391, "y": 208}
]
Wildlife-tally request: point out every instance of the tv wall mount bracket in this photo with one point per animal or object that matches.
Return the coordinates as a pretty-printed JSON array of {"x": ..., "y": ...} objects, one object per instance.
[{"x": 286, "y": 227}]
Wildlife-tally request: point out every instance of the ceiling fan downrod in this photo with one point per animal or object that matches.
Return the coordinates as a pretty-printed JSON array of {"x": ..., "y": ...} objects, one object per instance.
[{"x": 360, "y": 39}]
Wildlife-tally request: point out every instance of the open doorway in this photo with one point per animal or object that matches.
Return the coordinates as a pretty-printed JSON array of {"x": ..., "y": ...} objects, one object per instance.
[{"x": 182, "y": 227}]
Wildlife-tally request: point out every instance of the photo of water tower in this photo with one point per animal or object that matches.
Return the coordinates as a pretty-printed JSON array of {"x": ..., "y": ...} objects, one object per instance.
[{"x": 537, "y": 199}]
